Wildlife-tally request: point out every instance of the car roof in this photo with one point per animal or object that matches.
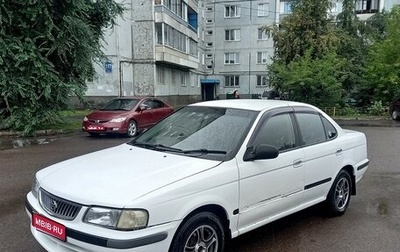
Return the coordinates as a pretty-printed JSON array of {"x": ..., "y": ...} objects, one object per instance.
[{"x": 250, "y": 104}]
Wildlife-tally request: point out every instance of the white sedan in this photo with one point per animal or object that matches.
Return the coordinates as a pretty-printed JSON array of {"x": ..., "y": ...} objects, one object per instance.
[{"x": 207, "y": 173}]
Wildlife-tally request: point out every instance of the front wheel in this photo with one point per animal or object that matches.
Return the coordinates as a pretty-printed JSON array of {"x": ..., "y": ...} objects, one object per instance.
[
  {"x": 202, "y": 232},
  {"x": 132, "y": 129},
  {"x": 339, "y": 195}
]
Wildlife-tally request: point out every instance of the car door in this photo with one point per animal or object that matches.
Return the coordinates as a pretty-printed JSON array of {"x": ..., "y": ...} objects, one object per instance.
[
  {"x": 270, "y": 187},
  {"x": 159, "y": 110},
  {"x": 322, "y": 151},
  {"x": 144, "y": 116}
]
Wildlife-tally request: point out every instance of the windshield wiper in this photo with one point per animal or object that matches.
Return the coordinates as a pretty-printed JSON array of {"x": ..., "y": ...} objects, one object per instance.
[
  {"x": 159, "y": 147},
  {"x": 204, "y": 151}
]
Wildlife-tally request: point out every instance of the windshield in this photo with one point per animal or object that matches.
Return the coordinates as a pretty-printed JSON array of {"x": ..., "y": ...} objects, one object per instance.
[
  {"x": 120, "y": 104},
  {"x": 206, "y": 132}
]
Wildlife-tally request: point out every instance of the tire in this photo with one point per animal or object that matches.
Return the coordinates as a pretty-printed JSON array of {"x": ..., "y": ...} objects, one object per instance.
[
  {"x": 132, "y": 129},
  {"x": 201, "y": 232},
  {"x": 395, "y": 115},
  {"x": 339, "y": 195}
]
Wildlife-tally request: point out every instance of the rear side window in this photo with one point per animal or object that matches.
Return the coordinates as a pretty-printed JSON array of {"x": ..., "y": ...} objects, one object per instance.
[
  {"x": 311, "y": 128},
  {"x": 277, "y": 131},
  {"x": 330, "y": 131},
  {"x": 157, "y": 104}
]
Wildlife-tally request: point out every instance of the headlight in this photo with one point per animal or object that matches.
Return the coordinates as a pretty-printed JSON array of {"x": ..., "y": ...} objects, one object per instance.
[
  {"x": 118, "y": 120},
  {"x": 35, "y": 187},
  {"x": 116, "y": 218},
  {"x": 85, "y": 119}
]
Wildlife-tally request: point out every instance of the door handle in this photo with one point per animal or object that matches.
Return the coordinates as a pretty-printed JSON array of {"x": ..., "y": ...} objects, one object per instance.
[
  {"x": 339, "y": 152},
  {"x": 297, "y": 163}
]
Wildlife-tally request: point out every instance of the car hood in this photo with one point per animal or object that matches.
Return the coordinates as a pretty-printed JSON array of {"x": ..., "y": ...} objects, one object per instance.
[
  {"x": 106, "y": 114},
  {"x": 114, "y": 177}
]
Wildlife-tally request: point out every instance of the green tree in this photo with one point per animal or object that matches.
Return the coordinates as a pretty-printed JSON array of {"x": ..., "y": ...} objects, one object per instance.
[
  {"x": 315, "y": 81},
  {"x": 47, "y": 49},
  {"x": 353, "y": 48},
  {"x": 384, "y": 61},
  {"x": 307, "y": 27},
  {"x": 304, "y": 63}
]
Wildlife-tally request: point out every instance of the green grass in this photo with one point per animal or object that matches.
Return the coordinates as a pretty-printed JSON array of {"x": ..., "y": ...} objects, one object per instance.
[{"x": 71, "y": 120}]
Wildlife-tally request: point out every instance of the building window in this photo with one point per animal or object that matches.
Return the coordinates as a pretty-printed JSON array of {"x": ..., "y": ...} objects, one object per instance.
[
  {"x": 367, "y": 6},
  {"x": 159, "y": 37},
  {"x": 262, "y": 57},
  {"x": 193, "y": 48},
  {"x": 209, "y": 67},
  {"x": 209, "y": 8},
  {"x": 232, "y": 11},
  {"x": 231, "y": 58},
  {"x": 262, "y": 34},
  {"x": 261, "y": 81},
  {"x": 287, "y": 7},
  {"x": 231, "y": 81},
  {"x": 209, "y": 32},
  {"x": 232, "y": 35},
  {"x": 183, "y": 79},
  {"x": 209, "y": 56},
  {"x": 209, "y": 44},
  {"x": 175, "y": 39},
  {"x": 209, "y": 21},
  {"x": 263, "y": 9},
  {"x": 160, "y": 75}
]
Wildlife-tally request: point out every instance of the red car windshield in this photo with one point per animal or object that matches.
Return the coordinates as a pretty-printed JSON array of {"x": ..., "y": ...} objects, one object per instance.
[{"x": 120, "y": 104}]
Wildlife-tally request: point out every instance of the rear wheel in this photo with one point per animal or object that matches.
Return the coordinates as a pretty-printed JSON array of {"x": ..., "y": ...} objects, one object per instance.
[
  {"x": 202, "y": 232},
  {"x": 395, "y": 115},
  {"x": 132, "y": 129},
  {"x": 339, "y": 195}
]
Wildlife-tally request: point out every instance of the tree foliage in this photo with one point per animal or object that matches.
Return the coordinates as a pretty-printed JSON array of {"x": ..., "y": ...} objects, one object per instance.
[
  {"x": 47, "y": 48},
  {"x": 353, "y": 48},
  {"x": 307, "y": 27},
  {"x": 315, "y": 81},
  {"x": 304, "y": 62},
  {"x": 384, "y": 61}
]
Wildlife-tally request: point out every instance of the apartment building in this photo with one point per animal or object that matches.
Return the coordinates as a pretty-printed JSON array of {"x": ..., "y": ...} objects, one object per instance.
[
  {"x": 155, "y": 50},
  {"x": 236, "y": 46},
  {"x": 191, "y": 50}
]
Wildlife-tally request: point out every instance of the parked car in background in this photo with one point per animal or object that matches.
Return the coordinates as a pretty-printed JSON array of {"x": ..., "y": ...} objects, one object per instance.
[
  {"x": 394, "y": 109},
  {"x": 209, "y": 172},
  {"x": 274, "y": 95},
  {"x": 270, "y": 95},
  {"x": 126, "y": 116}
]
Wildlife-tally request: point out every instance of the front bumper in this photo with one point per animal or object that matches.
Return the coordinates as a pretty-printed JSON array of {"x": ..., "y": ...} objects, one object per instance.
[
  {"x": 151, "y": 239},
  {"x": 104, "y": 128}
]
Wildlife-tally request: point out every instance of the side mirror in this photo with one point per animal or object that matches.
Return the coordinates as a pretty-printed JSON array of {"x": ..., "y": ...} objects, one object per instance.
[
  {"x": 143, "y": 107},
  {"x": 260, "y": 152}
]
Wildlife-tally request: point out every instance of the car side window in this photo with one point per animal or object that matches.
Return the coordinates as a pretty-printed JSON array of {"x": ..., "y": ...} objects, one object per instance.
[
  {"x": 277, "y": 131},
  {"x": 158, "y": 104},
  {"x": 330, "y": 130},
  {"x": 311, "y": 128},
  {"x": 148, "y": 104}
]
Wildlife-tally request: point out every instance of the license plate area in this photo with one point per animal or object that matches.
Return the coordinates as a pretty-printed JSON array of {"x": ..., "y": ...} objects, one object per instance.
[
  {"x": 48, "y": 226},
  {"x": 93, "y": 127}
]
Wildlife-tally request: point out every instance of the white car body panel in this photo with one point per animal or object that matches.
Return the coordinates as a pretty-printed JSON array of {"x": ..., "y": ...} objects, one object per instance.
[
  {"x": 112, "y": 166},
  {"x": 172, "y": 186}
]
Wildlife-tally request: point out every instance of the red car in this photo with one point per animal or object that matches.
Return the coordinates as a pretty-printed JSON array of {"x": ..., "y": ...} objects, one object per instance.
[{"x": 126, "y": 116}]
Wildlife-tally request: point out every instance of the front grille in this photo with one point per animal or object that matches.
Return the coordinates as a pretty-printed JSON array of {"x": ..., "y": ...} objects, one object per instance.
[
  {"x": 97, "y": 121},
  {"x": 58, "y": 207}
]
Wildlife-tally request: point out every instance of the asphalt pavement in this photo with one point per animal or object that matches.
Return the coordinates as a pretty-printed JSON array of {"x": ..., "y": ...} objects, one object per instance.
[{"x": 9, "y": 139}]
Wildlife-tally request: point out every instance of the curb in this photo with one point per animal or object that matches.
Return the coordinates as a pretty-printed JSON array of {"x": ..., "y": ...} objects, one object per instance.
[{"x": 37, "y": 133}]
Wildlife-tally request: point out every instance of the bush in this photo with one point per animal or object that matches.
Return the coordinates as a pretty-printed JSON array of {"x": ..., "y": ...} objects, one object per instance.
[{"x": 376, "y": 109}]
